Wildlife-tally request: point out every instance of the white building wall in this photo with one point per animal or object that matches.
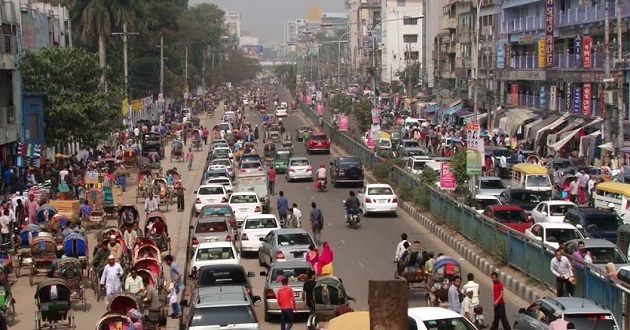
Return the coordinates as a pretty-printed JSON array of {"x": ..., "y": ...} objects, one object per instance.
[
  {"x": 233, "y": 24},
  {"x": 392, "y": 45},
  {"x": 353, "y": 37}
]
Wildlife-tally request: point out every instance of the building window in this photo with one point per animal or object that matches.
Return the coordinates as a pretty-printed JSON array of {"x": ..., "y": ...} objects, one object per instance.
[
  {"x": 409, "y": 38},
  {"x": 410, "y": 21},
  {"x": 414, "y": 56}
]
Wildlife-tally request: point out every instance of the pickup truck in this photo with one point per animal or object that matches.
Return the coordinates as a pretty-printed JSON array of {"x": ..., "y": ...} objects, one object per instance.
[{"x": 256, "y": 182}]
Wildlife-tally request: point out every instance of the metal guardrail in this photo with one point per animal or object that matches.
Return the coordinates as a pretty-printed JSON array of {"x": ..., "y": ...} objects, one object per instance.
[{"x": 512, "y": 247}]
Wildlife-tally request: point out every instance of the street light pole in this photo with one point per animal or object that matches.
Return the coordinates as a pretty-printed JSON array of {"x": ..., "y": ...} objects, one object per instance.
[
  {"x": 339, "y": 60},
  {"x": 475, "y": 62}
]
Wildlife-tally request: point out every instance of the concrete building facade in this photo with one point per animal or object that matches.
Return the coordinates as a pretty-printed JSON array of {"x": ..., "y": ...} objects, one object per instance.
[{"x": 400, "y": 38}]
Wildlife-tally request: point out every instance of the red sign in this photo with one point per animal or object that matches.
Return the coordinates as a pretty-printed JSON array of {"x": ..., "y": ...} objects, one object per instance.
[
  {"x": 587, "y": 97},
  {"x": 514, "y": 94},
  {"x": 587, "y": 49},
  {"x": 447, "y": 177},
  {"x": 320, "y": 109},
  {"x": 309, "y": 100},
  {"x": 344, "y": 123}
]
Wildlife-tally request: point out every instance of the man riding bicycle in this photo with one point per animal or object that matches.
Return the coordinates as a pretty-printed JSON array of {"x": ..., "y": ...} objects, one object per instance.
[{"x": 353, "y": 206}]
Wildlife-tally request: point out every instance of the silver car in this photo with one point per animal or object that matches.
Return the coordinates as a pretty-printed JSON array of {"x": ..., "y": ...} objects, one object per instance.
[
  {"x": 583, "y": 313},
  {"x": 284, "y": 245},
  {"x": 490, "y": 185},
  {"x": 297, "y": 273},
  {"x": 247, "y": 167},
  {"x": 299, "y": 168},
  {"x": 221, "y": 307},
  {"x": 210, "y": 229}
]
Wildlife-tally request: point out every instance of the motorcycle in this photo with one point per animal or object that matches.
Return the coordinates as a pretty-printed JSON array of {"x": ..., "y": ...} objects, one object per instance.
[
  {"x": 353, "y": 217},
  {"x": 321, "y": 184}
]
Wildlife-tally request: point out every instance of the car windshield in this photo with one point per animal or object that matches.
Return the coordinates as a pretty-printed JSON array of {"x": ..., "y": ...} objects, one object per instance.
[
  {"x": 215, "y": 173},
  {"x": 224, "y": 127},
  {"x": 261, "y": 223},
  {"x": 384, "y": 143},
  {"x": 243, "y": 199},
  {"x": 214, "y": 253},
  {"x": 152, "y": 141},
  {"x": 294, "y": 239},
  {"x": 411, "y": 144},
  {"x": 211, "y": 190},
  {"x": 419, "y": 164},
  {"x": 591, "y": 321},
  {"x": 223, "y": 162},
  {"x": 293, "y": 274},
  {"x": 319, "y": 137},
  {"x": 380, "y": 191},
  {"x": 537, "y": 181},
  {"x": 283, "y": 155},
  {"x": 529, "y": 197},
  {"x": 604, "y": 255},
  {"x": 414, "y": 152},
  {"x": 221, "y": 152},
  {"x": 556, "y": 235},
  {"x": 561, "y": 164},
  {"x": 458, "y": 323},
  {"x": 299, "y": 162},
  {"x": 251, "y": 165},
  {"x": 217, "y": 211},
  {"x": 220, "y": 181},
  {"x": 510, "y": 216},
  {"x": 481, "y": 204},
  {"x": 211, "y": 227},
  {"x": 603, "y": 221},
  {"x": 220, "y": 316},
  {"x": 492, "y": 184},
  {"x": 222, "y": 277},
  {"x": 349, "y": 162},
  {"x": 560, "y": 210}
]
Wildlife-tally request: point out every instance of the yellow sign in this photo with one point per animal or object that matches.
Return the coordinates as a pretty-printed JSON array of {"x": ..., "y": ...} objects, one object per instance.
[
  {"x": 125, "y": 107},
  {"x": 137, "y": 105},
  {"x": 186, "y": 89},
  {"x": 542, "y": 54}
]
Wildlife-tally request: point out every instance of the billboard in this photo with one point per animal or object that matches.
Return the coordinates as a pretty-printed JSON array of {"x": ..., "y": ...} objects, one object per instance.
[
  {"x": 314, "y": 13},
  {"x": 253, "y": 51}
]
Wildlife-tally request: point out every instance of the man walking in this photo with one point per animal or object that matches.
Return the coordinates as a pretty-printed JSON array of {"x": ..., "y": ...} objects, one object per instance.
[
  {"x": 453, "y": 294},
  {"x": 298, "y": 215},
  {"x": 177, "y": 279},
  {"x": 110, "y": 279},
  {"x": 499, "y": 304},
  {"x": 400, "y": 247},
  {"x": 179, "y": 192},
  {"x": 271, "y": 174},
  {"x": 283, "y": 206},
  {"x": 307, "y": 290},
  {"x": 286, "y": 301},
  {"x": 317, "y": 223},
  {"x": 561, "y": 268}
]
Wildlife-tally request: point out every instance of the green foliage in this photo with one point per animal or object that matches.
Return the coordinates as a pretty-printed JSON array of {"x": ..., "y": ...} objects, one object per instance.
[
  {"x": 74, "y": 111},
  {"x": 410, "y": 72},
  {"x": 238, "y": 68},
  {"x": 461, "y": 177},
  {"x": 287, "y": 74},
  {"x": 341, "y": 102},
  {"x": 429, "y": 176},
  {"x": 362, "y": 112}
]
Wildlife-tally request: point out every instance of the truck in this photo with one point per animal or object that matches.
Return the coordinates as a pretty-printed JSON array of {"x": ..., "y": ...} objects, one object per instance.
[{"x": 257, "y": 182}]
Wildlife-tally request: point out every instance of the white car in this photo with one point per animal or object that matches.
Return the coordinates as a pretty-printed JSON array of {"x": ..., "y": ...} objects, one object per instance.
[
  {"x": 482, "y": 201},
  {"x": 222, "y": 180},
  {"x": 552, "y": 233},
  {"x": 415, "y": 164},
  {"x": 284, "y": 105},
  {"x": 253, "y": 229},
  {"x": 224, "y": 150},
  {"x": 219, "y": 143},
  {"x": 245, "y": 203},
  {"x": 215, "y": 253},
  {"x": 384, "y": 144},
  {"x": 281, "y": 112},
  {"x": 299, "y": 168},
  {"x": 225, "y": 126},
  {"x": 225, "y": 162},
  {"x": 429, "y": 318},
  {"x": 378, "y": 198},
  {"x": 551, "y": 211},
  {"x": 209, "y": 194}
]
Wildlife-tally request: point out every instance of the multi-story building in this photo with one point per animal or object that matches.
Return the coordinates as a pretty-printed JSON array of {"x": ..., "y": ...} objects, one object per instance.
[
  {"x": 552, "y": 53},
  {"x": 290, "y": 32},
  {"x": 233, "y": 25},
  {"x": 363, "y": 16}
]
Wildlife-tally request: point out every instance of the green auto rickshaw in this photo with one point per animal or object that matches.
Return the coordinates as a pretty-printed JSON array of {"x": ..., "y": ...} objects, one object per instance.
[{"x": 281, "y": 159}]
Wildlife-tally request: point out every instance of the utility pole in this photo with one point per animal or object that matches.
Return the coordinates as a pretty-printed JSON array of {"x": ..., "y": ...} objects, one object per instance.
[
  {"x": 607, "y": 117},
  {"x": 161, "y": 46},
  {"x": 124, "y": 35},
  {"x": 186, "y": 66},
  {"x": 203, "y": 71},
  {"x": 619, "y": 66},
  {"x": 475, "y": 72}
]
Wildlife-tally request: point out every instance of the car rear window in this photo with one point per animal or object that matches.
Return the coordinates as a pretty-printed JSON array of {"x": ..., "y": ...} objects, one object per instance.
[
  {"x": 210, "y": 191},
  {"x": 251, "y": 165},
  {"x": 261, "y": 223},
  {"x": 222, "y": 277},
  {"x": 211, "y": 227},
  {"x": 299, "y": 162},
  {"x": 458, "y": 323},
  {"x": 319, "y": 137},
  {"x": 243, "y": 199},
  {"x": 604, "y": 255},
  {"x": 412, "y": 153},
  {"x": 492, "y": 184},
  {"x": 293, "y": 274},
  {"x": 602, "y": 221},
  {"x": 214, "y": 253},
  {"x": 529, "y": 197},
  {"x": 217, "y": 211},
  {"x": 560, "y": 210},
  {"x": 510, "y": 216},
  {"x": 224, "y": 162},
  {"x": 411, "y": 144},
  {"x": 294, "y": 239},
  {"x": 222, "y": 316},
  {"x": 349, "y": 162},
  {"x": 221, "y": 181},
  {"x": 224, "y": 127},
  {"x": 591, "y": 321},
  {"x": 380, "y": 191}
]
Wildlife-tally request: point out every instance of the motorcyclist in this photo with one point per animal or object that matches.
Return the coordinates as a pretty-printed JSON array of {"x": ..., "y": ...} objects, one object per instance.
[
  {"x": 352, "y": 205},
  {"x": 321, "y": 174}
]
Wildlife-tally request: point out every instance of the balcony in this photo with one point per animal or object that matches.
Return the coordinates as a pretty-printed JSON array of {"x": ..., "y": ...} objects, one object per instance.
[
  {"x": 569, "y": 17},
  {"x": 449, "y": 23},
  {"x": 562, "y": 61},
  {"x": 8, "y": 49}
]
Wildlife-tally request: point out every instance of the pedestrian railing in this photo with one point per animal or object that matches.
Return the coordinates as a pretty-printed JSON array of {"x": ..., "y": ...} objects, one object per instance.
[{"x": 504, "y": 244}]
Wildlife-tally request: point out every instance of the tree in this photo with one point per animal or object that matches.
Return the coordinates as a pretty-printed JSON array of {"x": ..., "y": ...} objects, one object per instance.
[
  {"x": 362, "y": 112},
  {"x": 238, "y": 67},
  {"x": 74, "y": 111},
  {"x": 341, "y": 102},
  {"x": 410, "y": 72},
  {"x": 458, "y": 165}
]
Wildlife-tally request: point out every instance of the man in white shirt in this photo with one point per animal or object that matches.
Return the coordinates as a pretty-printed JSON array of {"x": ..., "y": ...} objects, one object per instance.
[
  {"x": 133, "y": 282},
  {"x": 472, "y": 286},
  {"x": 400, "y": 248},
  {"x": 298, "y": 215},
  {"x": 110, "y": 278},
  {"x": 136, "y": 131},
  {"x": 468, "y": 308},
  {"x": 561, "y": 268},
  {"x": 321, "y": 172},
  {"x": 150, "y": 204}
]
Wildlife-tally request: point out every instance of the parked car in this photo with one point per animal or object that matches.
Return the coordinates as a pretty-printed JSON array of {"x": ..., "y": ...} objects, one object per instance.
[
  {"x": 223, "y": 151},
  {"x": 222, "y": 210},
  {"x": 318, "y": 142},
  {"x": 601, "y": 250},
  {"x": 595, "y": 223},
  {"x": 563, "y": 165},
  {"x": 224, "y": 275},
  {"x": 526, "y": 199},
  {"x": 284, "y": 245},
  {"x": 490, "y": 185},
  {"x": 550, "y": 234},
  {"x": 299, "y": 168},
  {"x": 217, "y": 173},
  {"x": 210, "y": 229},
  {"x": 384, "y": 144},
  {"x": 582, "y": 312},
  {"x": 219, "y": 143},
  {"x": 221, "y": 307},
  {"x": 480, "y": 202},
  {"x": 378, "y": 198},
  {"x": 346, "y": 169},
  {"x": 214, "y": 253},
  {"x": 552, "y": 211},
  {"x": 222, "y": 180},
  {"x": 209, "y": 194},
  {"x": 296, "y": 271},
  {"x": 227, "y": 162},
  {"x": 253, "y": 229},
  {"x": 250, "y": 166},
  {"x": 408, "y": 152},
  {"x": 512, "y": 216},
  {"x": 432, "y": 318},
  {"x": 245, "y": 203}
]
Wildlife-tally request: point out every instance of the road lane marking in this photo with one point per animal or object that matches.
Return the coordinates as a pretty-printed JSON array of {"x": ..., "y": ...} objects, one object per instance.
[
  {"x": 342, "y": 242},
  {"x": 361, "y": 265}
]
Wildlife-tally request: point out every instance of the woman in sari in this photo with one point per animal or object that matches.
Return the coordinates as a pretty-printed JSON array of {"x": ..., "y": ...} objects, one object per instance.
[
  {"x": 325, "y": 261},
  {"x": 108, "y": 181},
  {"x": 312, "y": 256}
]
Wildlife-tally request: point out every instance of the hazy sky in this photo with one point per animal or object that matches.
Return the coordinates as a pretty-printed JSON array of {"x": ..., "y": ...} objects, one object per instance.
[{"x": 265, "y": 18}]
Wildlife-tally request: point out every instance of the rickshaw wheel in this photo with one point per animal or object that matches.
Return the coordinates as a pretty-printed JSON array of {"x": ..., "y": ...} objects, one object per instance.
[
  {"x": 10, "y": 312},
  {"x": 38, "y": 321},
  {"x": 31, "y": 275},
  {"x": 16, "y": 269}
]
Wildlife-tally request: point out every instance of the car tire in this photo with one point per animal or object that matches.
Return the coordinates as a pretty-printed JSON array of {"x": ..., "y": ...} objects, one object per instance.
[{"x": 267, "y": 316}]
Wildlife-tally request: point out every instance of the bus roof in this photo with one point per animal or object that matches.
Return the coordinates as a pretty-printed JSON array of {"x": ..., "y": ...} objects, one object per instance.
[{"x": 530, "y": 168}]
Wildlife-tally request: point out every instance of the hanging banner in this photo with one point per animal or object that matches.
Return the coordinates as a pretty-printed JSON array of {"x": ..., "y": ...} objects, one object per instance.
[
  {"x": 501, "y": 56},
  {"x": 568, "y": 97},
  {"x": 577, "y": 101},
  {"x": 514, "y": 94},
  {"x": 587, "y": 49},
  {"x": 371, "y": 142},
  {"x": 137, "y": 105},
  {"x": 549, "y": 25},
  {"x": 553, "y": 94},
  {"x": 474, "y": 149},
  {"x": 543, "y": 97},
  {"x": 124, "y": 109},
  {"x": 320, "y": 109},
  {"x": 577, "y": 46},
  {"x": 542, "y": 58},
  {"x": 344, "y": 123},
  {"x": 376, "y": 116},
  {"x": 587, "y": 97},
  {"x": 309, "y": 100},
  {"x": 447, "y": 177}
]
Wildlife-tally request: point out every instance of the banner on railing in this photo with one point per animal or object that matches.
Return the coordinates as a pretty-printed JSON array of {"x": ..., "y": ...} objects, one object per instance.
[
  {"x": 124, "y": 109},
  {"x": 577, "y": 101},
  {"x": 309, "y": 100},
  {"x": 371, "y": 143},
  {"x": 549, "y": 25},
  {"x": 447, "y": 177},
  {"x": 320, "y": 109},
  {"x": 376, "y": 116},
  {"x": 587, "y": 96},
  {"x": 577, "y": 47},
  {"x": 543, "y": 97},
  {"x": 344, "y": 123},
  {"x": 137, "y": 105},
  {"x": 587, "y": 49},
  {"x": 542, "y": 58},
  {"x": 474, "y": 149}
]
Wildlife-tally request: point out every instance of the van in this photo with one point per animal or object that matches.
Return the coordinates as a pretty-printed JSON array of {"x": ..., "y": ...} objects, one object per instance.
[
  {"x": 531, "y": 177},
  {"x": 415, "y": 164},
  {"x": 616, "y": 194}
]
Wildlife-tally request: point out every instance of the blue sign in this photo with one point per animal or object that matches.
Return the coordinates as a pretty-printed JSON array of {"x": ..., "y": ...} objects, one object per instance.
[
  {"x": 578, "y": 46},
  {"x": 577, "y": 101},
  {"x": 501, "y": 56},
  {"x": 543, "y": 97}
]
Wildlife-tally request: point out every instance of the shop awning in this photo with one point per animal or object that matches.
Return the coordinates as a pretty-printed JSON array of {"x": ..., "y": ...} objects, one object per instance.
[
  {"x": 432, "y": 109},
  {"x": 558, "y": 145},
  {"x": 586, "y": 144},
  {"x": 515, "y": 118},
  {"x": 463, "y": 114},
  {"x": 552, "y": 125},
  {"x": 579, "y": 122},
  {"x": 452, "y": 110},
  {"x": 529, "y": 126}
]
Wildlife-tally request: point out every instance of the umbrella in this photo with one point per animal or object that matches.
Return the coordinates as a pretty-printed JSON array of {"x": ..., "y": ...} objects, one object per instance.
[{"x": 350, "y": 321}]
